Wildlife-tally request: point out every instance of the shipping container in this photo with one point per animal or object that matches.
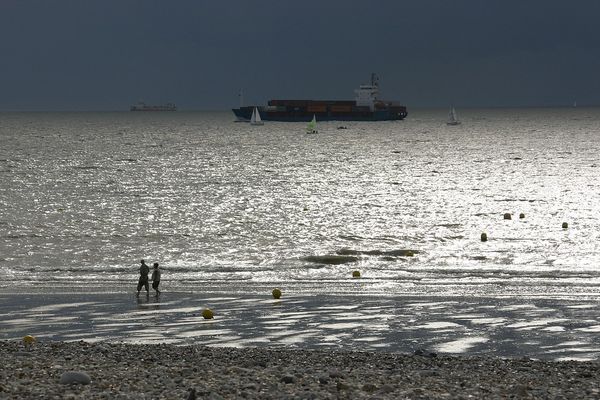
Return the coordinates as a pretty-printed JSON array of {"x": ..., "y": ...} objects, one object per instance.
[
  {"x": 340, "y": 108},
  {"x": 318, "y": 108}
]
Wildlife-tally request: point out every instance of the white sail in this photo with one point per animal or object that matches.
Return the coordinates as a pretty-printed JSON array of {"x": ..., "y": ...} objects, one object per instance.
[
  {"x": 256, "y": 120},
  {"x": 452, "y": 117},
  {"x": 312, "y": 125}
]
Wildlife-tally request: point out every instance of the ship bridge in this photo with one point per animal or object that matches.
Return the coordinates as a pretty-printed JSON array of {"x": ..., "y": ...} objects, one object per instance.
[{"x": 366, "y": 95}]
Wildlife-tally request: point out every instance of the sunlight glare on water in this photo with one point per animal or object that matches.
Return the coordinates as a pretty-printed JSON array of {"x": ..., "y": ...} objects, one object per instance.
[{"x": 220, "y": 204}]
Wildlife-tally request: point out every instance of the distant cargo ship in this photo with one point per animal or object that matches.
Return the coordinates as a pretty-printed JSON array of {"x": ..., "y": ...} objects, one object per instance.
[
  {"x": 365, "y": 107},
  {"x": 145, "y": 107}
]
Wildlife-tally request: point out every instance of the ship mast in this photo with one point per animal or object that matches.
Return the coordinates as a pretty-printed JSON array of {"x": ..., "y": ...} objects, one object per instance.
[{"x": 374, "y": 79}]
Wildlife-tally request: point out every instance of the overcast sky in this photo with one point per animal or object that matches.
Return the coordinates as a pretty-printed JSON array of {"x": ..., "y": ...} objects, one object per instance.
[{"x": 108, "y": 54}]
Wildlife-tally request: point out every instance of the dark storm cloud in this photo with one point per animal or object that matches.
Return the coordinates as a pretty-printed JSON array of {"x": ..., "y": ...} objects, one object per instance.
[{"x": 106, "y": 54}]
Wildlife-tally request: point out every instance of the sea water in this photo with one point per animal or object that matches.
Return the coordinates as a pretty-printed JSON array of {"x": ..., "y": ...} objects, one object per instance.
[{"x": 226, "y": 206}]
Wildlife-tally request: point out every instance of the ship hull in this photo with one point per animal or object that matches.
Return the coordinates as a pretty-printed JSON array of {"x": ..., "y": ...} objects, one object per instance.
[
  {"x": 269, "y": 114},
  {"x": 145, "y": 107}
]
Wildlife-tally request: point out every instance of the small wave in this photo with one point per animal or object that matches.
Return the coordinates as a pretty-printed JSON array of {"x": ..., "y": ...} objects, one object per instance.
[
  {"x": 22, "y": 235},
  {"x": 478, "y": 258},
  {"x": 449, "y": 225},
  {"x": 353, "y": 238},
  {"x": 86, "y": 167},
  {"x": 392, "y": 253},
  {"x": 331, "y": 259}
]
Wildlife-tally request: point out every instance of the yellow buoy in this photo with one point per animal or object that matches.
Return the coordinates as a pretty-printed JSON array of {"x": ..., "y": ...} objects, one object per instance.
[
  {"x": 565, "y": 225},
  {"x": 29, "y": 340},
  {"x": 507, "y": 216},
  {"x": 484, "y": 237},
  {"x": 207, "y": 313},
  {"x": 356, "y": 274},
  {"x": 521, "y": 215},
  {"x": 276, "y": 293}
]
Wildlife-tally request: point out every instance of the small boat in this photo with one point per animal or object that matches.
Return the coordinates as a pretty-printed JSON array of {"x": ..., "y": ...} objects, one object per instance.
[
  {"x": 312, "y": 126},
  {"x": 141, "y": 106},
  {"x": 255, "y": 120},
  {"x": 452, "y": 117}
]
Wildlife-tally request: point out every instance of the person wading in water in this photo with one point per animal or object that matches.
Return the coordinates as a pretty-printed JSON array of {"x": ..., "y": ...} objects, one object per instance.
[
  {"x": 156, "y": 278},
  {"x": 144, "y": 270}
]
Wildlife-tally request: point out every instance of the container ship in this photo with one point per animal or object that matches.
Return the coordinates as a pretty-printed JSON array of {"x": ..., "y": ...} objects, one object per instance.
[
  {"x": 145, "y": 107},
  {"x": 365, "y": 107}
]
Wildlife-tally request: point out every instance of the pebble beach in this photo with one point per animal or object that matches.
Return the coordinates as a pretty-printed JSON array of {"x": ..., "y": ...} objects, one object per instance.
[{"x": 83, "y": 370}]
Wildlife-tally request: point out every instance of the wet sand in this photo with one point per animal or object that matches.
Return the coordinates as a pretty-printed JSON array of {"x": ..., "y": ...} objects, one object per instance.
[{"x": 506, "y": 327}]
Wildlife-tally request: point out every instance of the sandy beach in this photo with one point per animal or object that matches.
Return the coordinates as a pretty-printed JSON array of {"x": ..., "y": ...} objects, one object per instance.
[{"x": 297, "y": 346}]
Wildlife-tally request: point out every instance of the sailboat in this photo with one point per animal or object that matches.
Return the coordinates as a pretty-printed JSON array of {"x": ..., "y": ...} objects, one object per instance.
[
  {"x": 452, "y": 117},
  {"x": 255, "y": 120},
  {"x": 312, "y": 126}
]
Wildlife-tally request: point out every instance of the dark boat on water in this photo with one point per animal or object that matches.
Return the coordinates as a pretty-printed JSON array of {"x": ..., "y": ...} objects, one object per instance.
[
  {"x": 365, "y": 107},
  {"x": 141, "y": 106}
]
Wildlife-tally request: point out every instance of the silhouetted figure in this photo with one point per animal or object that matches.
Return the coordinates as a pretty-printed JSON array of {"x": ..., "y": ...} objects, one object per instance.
[
  {"x": 156, "y": 278},
  {"x": 144, "y": 270}
]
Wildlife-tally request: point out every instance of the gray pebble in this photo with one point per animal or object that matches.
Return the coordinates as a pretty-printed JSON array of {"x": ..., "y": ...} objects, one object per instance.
[
  {"x": 369, "y": 387},
  {"x": 386, "y": 389},
  {"x": 75, "y": 378},
  {"x": 334, "y": 373},
  {"x": 519, "y": 390}
]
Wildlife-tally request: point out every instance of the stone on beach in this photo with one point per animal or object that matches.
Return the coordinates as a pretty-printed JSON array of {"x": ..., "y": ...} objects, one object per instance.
[{"x": 75, "y": 378}]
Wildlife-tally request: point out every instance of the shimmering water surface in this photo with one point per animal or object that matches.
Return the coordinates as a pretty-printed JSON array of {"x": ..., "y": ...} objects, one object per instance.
[{"x": 224, "y": 205}]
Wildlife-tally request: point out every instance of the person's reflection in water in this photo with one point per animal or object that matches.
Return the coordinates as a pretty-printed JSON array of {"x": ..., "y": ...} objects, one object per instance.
[
  {"x": 148, "y": 303},
  {"x": 154, "y": 303},
  {"x": 142, "y": 301}
]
